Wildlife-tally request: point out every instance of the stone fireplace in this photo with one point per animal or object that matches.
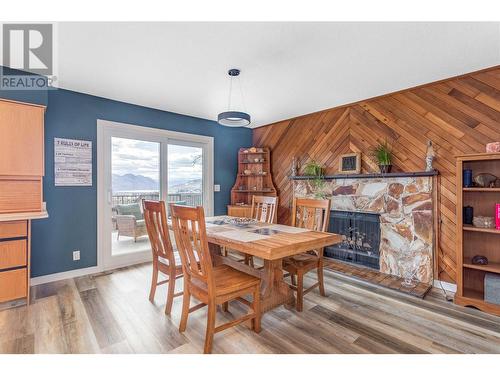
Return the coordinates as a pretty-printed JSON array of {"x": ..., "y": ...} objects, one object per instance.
[{"x": 403, "y": 204}]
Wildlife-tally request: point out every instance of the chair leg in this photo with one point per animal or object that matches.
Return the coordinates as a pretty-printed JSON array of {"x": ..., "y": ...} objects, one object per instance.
[
  {"x": 209, "y": 336},
  {"x": 256, "y": 308},
  {"x": 154, "y": 281},
  {"x": 186, "y": 300},
  {"x": 321, "y": 281},
  {"x": 300, "y": 291},
  {"x": 170, "y": 293},
  {"x": 225, "y": 306},
  {"x": 292, "y": 278},
  {"x": 118, "y": 236}
]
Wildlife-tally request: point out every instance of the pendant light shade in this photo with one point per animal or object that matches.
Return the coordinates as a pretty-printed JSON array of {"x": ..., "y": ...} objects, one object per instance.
[
  {"x": 233, "y": 118},
  {"x": 230, "y": 117}
]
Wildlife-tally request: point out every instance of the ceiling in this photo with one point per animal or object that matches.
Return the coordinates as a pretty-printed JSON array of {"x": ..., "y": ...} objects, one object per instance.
[{"x": 288, "y": 69}]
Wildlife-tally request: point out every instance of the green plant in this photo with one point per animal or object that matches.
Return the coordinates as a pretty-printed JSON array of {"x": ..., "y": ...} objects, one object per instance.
[
  {"x": 313, "y": 169},
  {"x": 383, "y": 153}
]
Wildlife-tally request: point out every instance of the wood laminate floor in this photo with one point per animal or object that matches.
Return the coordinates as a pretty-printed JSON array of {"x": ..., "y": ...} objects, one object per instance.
[{"x": 111, "y": 314}]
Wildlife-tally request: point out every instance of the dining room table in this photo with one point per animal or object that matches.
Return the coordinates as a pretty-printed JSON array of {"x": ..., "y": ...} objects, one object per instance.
[{"x": 269, "y": 242}]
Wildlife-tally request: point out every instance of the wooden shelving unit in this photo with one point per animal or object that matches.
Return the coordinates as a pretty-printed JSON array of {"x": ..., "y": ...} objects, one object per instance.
[
  {"x": 257, "y": 179},
  {"x": 472, "y": 240}
]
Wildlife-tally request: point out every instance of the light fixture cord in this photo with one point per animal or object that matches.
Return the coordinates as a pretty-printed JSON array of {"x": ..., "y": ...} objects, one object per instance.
[
  {"x": 230, "y": 93},
  {"x": 241, "y": 93}
]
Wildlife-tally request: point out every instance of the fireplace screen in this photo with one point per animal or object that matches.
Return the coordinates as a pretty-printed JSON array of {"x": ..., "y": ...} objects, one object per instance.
[{"x": 360, "y": 238}]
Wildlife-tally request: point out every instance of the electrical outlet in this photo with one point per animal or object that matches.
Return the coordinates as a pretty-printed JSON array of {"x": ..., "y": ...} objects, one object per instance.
[
  {"x": 216, "y": 187},
  {"x": 76, "y": 255}
]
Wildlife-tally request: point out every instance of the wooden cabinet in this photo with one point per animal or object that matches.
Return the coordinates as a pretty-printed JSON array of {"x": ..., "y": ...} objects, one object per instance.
[
  {"x": 21, "y": 139},
  {"x": 21, "y": 156},
  {"x": 14, "y": 260},
  {"x": 21, "y": 199},
  {"x": 473, "y": 240}
]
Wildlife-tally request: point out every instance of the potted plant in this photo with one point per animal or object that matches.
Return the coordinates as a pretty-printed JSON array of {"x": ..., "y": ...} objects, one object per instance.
[
  {"x": 383, "y": 155},
  {"x": 313, "y": 169},
  {"x": 316, "y": 171}
]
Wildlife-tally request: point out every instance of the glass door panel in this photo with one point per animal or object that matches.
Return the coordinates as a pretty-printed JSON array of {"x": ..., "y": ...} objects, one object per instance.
[
  {"x": 185, "y": 174},
  {"x": 135, "y": 175}
]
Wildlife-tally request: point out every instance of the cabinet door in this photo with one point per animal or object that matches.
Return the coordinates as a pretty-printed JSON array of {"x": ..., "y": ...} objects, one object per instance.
[{"x": 21, "y": 139}]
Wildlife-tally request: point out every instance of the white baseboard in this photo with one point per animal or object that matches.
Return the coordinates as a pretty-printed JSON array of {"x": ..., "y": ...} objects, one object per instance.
[
  {"x": 64, "y": 275},
  {"x": 446, "y": 286}
]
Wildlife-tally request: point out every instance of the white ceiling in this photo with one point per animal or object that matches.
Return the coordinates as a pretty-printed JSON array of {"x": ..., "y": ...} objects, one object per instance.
[{"x": 288, "y": 69}]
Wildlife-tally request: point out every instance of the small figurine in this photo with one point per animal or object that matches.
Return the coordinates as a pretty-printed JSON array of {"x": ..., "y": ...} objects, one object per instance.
[
  {"x": 294, "y": 167},
  {"x": 429, "y": 157}
]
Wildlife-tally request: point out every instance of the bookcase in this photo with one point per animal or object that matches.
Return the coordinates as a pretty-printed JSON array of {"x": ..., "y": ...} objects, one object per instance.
[{"x": 473, "y": 240}]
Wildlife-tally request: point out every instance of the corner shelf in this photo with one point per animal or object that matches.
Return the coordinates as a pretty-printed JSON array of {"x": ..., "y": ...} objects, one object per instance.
[
  {"x": 472, "y": 240},
  {"x": 253, "y": 182}
]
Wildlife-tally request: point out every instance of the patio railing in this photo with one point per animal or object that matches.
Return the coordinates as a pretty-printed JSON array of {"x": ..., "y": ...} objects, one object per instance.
[{"x": 191, "y": 199}]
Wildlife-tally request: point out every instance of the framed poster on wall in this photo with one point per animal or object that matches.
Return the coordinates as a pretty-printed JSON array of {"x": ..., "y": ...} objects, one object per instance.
[{"x": 72, "y": 162}]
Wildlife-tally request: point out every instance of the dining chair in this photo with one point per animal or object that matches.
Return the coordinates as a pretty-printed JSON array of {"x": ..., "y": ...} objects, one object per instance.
[
  {"x": 313, "y": 214},
  {"x": 264, "y": 209},
  {"x": 165, "y": 260},
  {"x": 212, "y": 285}
]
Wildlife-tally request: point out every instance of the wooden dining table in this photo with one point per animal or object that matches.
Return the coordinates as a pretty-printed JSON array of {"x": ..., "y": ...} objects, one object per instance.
[{"x": 269, "y": 242}]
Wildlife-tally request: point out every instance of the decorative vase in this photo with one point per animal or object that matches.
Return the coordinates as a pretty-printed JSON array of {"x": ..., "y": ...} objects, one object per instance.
[
  {"x": 385, "y": 168},
  {"x": 408, "y": 266},
  {"x": 467, "y": 178}
]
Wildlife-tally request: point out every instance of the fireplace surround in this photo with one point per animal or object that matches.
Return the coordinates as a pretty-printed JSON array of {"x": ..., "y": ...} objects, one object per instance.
[{"x": 404, "y": 205}]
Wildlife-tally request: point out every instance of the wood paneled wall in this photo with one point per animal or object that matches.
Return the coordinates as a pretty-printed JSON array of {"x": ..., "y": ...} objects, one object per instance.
[{"x": 459, "y": 115}]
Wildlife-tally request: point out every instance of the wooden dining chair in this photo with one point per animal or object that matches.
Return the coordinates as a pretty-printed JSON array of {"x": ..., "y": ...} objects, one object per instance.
[
  {"x": 212, "y": 285},
  {"x": 264, "y": 209},
  {"x": 313, "y": 214},
  {"x": 164, "y": 259}
]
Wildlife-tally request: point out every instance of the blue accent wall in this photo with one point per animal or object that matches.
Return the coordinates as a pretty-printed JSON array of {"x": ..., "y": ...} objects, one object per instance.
[{"x": 72, "y": 222}]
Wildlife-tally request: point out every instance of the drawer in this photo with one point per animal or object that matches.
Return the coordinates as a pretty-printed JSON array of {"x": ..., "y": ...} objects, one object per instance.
[
  {"x": 12, "y": 254},
  {"x": 13, "y": 285},
  {"x": 20, "y": 195},
  {"x": 10, "y": 229}
]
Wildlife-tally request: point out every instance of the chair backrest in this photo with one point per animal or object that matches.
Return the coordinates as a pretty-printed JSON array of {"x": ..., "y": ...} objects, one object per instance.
[
  {"x": 264, "y": 208},
  {"x": 156, "y": 225},
  {"x": 191, "y": 239},
  {"x": 313, "y": 214},
  {"x": 130, "y": 209}
]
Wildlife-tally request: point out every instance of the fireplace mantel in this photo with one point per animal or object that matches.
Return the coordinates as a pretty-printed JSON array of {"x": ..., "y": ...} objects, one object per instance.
[{"x": 369, "y": 175}]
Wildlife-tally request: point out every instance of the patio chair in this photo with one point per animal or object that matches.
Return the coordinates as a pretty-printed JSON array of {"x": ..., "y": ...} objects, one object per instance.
[{"x": 130, "y": 221}]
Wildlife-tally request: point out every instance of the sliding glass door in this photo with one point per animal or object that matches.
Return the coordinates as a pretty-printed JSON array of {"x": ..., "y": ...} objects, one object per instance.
[{"x": 136, "y": 163}]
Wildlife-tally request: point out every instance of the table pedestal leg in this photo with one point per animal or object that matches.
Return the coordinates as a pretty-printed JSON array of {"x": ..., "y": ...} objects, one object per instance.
[{"x": 275, "y": 291}]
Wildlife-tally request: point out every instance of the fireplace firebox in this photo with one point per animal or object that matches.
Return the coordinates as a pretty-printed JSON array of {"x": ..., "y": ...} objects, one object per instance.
[{"x": 360, "y": 238}]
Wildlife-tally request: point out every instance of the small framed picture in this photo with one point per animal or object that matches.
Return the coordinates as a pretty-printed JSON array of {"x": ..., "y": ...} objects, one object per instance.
[{"x": 350, "y": 163}]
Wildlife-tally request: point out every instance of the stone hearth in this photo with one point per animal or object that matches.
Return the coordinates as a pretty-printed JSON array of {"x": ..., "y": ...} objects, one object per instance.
[{"x": 406, "y": 214}]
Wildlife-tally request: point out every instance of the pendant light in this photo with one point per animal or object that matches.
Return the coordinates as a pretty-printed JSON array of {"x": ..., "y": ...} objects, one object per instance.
[{"x": 233, "y": 118}]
